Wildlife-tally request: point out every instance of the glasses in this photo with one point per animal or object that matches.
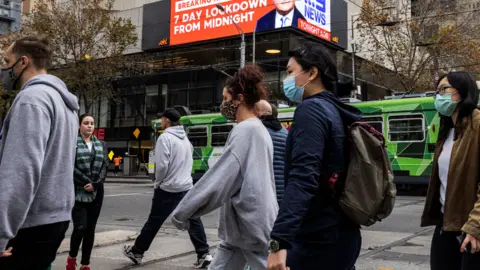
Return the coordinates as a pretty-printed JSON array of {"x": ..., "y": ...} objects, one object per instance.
[{"x": 441, "y": 90}]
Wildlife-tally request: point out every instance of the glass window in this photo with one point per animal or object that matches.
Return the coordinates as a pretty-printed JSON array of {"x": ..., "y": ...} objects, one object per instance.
[
  {"x": 198, "y": 136},
  {"x": 375, "y": 121},
  {"x": 406, "y": 128},
  {"x": 220, "y": 134}
]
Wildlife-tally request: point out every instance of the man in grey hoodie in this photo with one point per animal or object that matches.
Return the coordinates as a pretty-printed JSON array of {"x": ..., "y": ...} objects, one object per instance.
[
  {"x": 173, "y": 179},
  {"x": 37, "y": 152}
]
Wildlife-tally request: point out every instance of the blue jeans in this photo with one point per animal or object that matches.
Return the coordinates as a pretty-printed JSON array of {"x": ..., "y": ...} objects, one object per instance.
[
  {"x": 232, "y": 258},
  {"x": 163, "y": 204},
  {"x": 338, "y": 255}
]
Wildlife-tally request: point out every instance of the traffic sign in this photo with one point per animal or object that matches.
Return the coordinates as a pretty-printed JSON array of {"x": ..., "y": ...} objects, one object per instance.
[
  {"x": 110, "y": 155},
  {"x": 136, "y": 133}
]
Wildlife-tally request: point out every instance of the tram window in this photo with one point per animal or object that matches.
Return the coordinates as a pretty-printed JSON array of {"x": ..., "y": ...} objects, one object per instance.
[
  {"x": 220, "y": 134},
  {"x": 375, "y": 121},
  {"x": 406, "y": 128},
  {"x": 198, "y": 136}
]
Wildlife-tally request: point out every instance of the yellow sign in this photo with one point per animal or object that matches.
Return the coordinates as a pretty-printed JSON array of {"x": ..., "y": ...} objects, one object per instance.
[
  {"x": 110, "y": 155},
  {"x": 335, "y": 39},
  {"x": 136, "y": 133},
  {"x": 163, "y": 42}
]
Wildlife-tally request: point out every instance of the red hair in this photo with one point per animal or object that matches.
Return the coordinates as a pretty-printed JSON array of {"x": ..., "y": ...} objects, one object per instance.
[{"x": 248, "y": 81}]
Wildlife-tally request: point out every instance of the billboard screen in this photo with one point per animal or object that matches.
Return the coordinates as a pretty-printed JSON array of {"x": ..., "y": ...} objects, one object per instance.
[
  {"x": 195, "y": 20},
  {"x": 199, "y": 20}
]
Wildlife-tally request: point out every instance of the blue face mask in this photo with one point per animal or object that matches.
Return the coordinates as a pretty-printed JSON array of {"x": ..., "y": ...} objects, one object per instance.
[
  {"x": 444, "y": 104},
  {"x": 291, "y": 90}
]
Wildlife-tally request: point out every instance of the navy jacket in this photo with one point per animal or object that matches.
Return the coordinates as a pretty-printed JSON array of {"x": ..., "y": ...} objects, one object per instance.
[
  {"x": 279, "y": 138},
  {"x": 309, "y": 216},
  {"x": 267, "y": 22}
]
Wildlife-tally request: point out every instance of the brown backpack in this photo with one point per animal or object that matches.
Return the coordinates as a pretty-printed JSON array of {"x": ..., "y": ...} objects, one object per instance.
[{"x": 368, "y": 189}]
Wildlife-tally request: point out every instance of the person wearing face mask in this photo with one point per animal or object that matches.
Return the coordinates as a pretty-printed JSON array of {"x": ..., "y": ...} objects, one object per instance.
[
  {"x": 37, "y": 154},
  {"x": 91, "y": 164},
  {"x": 311, "y": 231},
  {"x": 453, "y": 197},
  {"x": 241, "y": 182}
]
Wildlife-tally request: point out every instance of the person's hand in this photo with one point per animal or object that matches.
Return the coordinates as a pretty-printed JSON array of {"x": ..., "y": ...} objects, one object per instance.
[
  {"x": 89, "y": 188},
  {"x": 6, "y": 253},
  {"x": 474, "y": 242},
  {"x": 277, "y": 260}
]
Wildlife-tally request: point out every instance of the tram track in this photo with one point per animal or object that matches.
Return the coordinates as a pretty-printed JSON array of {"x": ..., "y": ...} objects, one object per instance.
[{"x": 399, "y": 242}]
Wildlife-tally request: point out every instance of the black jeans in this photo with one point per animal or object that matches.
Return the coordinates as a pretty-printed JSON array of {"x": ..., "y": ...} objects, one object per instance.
[
  {"x": 163, "y": 204},
  {"x": 445, "y": 253},
  {"x": 340, "y": 254},
  {"x": 35, "y": 248},
  {"x": 85, "y": 217}
]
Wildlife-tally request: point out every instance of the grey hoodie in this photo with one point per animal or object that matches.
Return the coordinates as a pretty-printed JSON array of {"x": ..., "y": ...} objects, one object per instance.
[
  {"x": 37, "y": 152},
  {"x": 173, "y": 161},
  {"x": 242, "y": 183}
]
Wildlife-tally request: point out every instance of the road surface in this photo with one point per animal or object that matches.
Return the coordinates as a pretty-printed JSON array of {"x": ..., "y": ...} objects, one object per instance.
[{"x": 396, "y": 243}]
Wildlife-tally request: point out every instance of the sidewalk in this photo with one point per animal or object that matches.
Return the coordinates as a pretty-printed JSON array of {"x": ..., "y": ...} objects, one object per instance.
[
  {"x": 172, "y": 249},
  {"x": 169, "y": 244},
  {"x": 135, "y": 179}
]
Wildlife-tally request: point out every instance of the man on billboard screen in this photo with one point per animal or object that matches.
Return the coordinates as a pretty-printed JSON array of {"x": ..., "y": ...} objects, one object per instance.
[{"x": 285, "y": 14}]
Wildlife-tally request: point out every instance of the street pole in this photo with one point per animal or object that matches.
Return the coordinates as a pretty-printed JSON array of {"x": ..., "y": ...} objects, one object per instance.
[
  {"x": 354, "y": 79},
  {"x": 253, "y": 53},
  {"x": 435, "y": 68},
  {"x": 242, "y": 51},
  {"x": 240, "y": 30}
]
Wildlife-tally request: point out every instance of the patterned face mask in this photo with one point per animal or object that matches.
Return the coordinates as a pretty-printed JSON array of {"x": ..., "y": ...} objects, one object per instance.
[{"x": 229, "y": 110}]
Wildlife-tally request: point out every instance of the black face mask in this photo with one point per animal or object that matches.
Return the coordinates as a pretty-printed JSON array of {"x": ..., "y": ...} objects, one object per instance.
[{"x": 8, "y": 78}]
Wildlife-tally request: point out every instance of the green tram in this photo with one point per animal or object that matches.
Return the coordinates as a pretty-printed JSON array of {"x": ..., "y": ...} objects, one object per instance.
[{"x": 410, "y": 126}]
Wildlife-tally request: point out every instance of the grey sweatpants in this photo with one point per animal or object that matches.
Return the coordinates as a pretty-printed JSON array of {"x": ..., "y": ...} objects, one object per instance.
[{"x": 231, "y": 258}]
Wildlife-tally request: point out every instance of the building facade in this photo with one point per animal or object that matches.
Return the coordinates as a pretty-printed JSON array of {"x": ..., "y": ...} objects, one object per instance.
[
  {"x": 10, "y": 15},
  {"x": 186, "y": 48}
]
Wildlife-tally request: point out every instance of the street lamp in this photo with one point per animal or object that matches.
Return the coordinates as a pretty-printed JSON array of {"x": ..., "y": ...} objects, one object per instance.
[
  {"x": 242, "y": 44},
  {"x": 354, "y": 44},
  {"x": 427, "y": 45}
]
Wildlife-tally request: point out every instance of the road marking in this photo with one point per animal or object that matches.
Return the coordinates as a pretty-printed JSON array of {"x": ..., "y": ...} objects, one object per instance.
[{"x": 129, "y": 194}]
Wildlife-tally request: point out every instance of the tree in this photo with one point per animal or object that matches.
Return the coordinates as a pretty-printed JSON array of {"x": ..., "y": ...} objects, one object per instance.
[
  {"x": 417, "y": 40},
  {"x": 87, "y": 42}
]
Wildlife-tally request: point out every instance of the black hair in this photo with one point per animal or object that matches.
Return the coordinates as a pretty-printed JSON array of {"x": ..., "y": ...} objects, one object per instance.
[
  {"x": 310, "y": 55},
  {"x": 467, "y": 88},
  {"x": 81, "y": 117},
  {"x": 248, "y": 81}
]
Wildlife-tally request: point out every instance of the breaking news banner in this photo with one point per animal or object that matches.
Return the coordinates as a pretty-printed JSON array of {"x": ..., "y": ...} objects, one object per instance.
[{"x": 196, "y": 20}]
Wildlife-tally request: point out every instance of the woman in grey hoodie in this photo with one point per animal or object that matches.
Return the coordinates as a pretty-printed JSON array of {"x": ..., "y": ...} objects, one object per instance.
[{"x": 241, "y": 182}]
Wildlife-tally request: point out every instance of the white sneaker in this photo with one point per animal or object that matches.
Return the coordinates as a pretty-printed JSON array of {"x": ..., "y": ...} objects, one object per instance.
[
  {"x": 136, "y": 258},
  {"x": 203, "y": 261}
]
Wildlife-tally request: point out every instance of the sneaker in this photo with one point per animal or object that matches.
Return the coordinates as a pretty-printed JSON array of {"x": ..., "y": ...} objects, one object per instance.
[
  {"x": 71, "y": 264},
  {"x": 203, "y": 261},
  {"x": 136, "y": 258},
  {"x": 85, "y": 267}
]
